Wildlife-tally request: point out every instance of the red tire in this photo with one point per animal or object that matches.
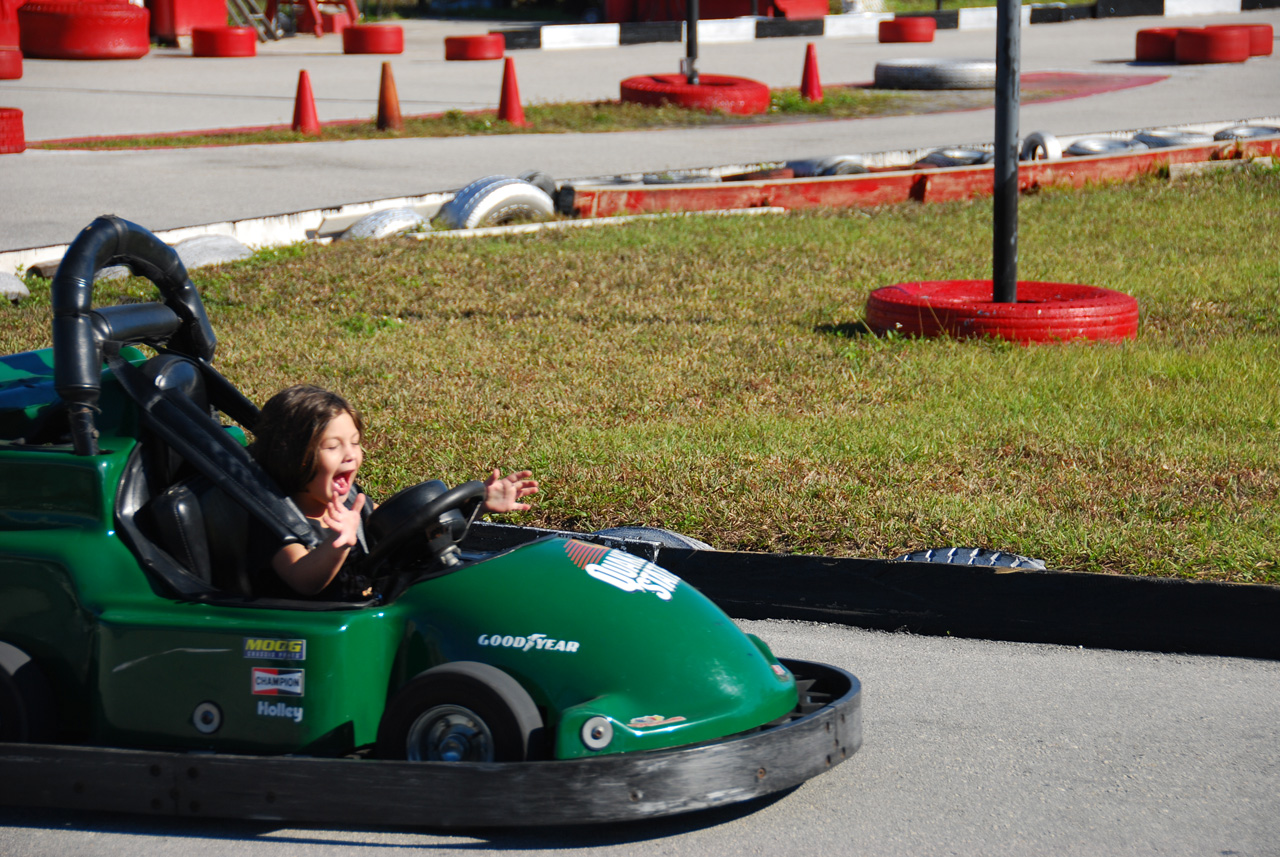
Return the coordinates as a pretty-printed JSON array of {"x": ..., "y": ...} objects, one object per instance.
[
  {"x": 373, "y": 39},
  {"x": 12, "y": 137},
  {"x": 224, "y": 42},
  {"x": 1261, "y": 37},
  {"x": 1221, "y": 45},
  {"x": 70, "y": 30},
  {"x": 1045, "y": 312},
  {"x": 909, "y": 29},
  {"x": 10, "y": 52},
  {"x": 1156, "y": 44},
  {"x": 737, "y": 95},
  {"x": 465, "y": 48}
]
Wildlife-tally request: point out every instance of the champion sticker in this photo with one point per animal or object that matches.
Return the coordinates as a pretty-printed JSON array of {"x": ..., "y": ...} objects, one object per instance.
[
  {"x": 270, "y": 648},
  {"x": 632, "y": 574},
  {"x": 277, "y": 682}
]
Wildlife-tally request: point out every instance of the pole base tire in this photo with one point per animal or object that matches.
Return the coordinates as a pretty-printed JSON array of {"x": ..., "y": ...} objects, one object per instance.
[
  {"x": 910, "y": 29},
  {"x": 68, "y": 30},
  {"x": 1155, "y": 44},
  {"x": 373, "y": 39},
  {"x": 1199, "y": 46},
  {"x": 963, "y": 309},
  {"x": 12, "y": 136},
  {"x": 470, "y": 48},
  {"x": 224, "y": 42},
  {"x": 737, "y": 95}
]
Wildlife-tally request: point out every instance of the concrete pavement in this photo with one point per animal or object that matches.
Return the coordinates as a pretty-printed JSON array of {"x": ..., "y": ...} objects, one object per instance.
[{"x": 50, "y": 195}]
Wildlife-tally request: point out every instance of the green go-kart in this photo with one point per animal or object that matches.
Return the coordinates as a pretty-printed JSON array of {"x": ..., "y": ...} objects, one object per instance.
[{"x": 559, "y": 681}]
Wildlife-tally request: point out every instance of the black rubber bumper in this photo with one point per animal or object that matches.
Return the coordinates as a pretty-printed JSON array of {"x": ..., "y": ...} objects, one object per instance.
[{"x": 295, "y": 789}]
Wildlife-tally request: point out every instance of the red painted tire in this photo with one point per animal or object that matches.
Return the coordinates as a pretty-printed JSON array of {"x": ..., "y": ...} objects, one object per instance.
[
  {"x": 10, "y": 53},
  {"x": 1045, "y": 312},
  {"x": 1156, "y": 44},
  {"x": 330, "y": 22},
  {"x": 909, "y": 29},
  {"x": 737, "y": 95},
  {"x": 1261, "y": 37},
  {"x": 373, "y": 39},
  {"x": 224, "y": 42},
  {"x": 70, "y": 30},
  {"x": 488, "y": 47},
  {"x": 1202, "y": 45},
  {"x": 12, "y": 137}
]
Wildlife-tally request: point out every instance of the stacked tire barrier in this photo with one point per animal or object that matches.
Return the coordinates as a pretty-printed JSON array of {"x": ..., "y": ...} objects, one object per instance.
[
  {"x": 737, "y": 95},
  {"x": 224, "y": 42},
  {"x": 1218, "y": 43},
  {"x": 12, "y": 136},
  {"x": 373, "y": 39}
]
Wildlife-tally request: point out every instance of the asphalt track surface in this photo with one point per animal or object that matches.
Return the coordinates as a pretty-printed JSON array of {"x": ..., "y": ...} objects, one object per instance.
[
  {"x": 971, "y": 747},
  {"x": 50, "y": 195}
]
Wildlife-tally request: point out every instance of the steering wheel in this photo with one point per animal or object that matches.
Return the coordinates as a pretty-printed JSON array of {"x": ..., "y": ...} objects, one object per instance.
[{"x": 427, "y": 511}]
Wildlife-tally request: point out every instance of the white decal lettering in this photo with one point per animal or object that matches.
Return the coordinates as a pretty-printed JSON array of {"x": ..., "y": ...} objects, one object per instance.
[{"x": 632, "y": 574}]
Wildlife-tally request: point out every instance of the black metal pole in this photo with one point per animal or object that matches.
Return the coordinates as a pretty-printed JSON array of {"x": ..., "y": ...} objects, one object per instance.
[
  {"x": 690, "y": 64},
  {"x": 1004, "y": 277}
]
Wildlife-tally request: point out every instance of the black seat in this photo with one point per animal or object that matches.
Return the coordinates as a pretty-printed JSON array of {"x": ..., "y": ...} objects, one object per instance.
[{"x": 205, "y": 531}]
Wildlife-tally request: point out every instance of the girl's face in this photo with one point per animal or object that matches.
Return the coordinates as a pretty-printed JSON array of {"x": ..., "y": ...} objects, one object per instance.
[{"x": 338, "y": 457}]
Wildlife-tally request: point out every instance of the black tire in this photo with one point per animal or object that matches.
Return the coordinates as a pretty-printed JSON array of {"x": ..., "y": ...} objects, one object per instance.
[
  {"x": 27, "y": 713},
  {"x": 920, "y": 73},
  {"x": 666, "y": 538},
  {"x": 461, "y": 711}
]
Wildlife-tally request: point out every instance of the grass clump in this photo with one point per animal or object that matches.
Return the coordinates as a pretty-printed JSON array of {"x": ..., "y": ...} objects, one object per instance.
[{"x": 711, "y": 375}]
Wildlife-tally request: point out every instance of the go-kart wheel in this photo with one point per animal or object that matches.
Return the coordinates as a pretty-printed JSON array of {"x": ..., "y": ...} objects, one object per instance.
[
  {"x": 26, "y": 703},
  {"x": 459, "y": 712},
  {"x": 419, "y": 512}
]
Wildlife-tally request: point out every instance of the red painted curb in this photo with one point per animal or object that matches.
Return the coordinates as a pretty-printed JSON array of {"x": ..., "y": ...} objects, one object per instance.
[
  {"x": 910, "y": 29},
  {"x": 12, "y": 137},
  {"x": 1261, "y": 37},
  {"x": 1045, "y": 312},
  {"x": 373, "y": 39},
  {"x": 223, "y": 42},
  {"x": 1202, "y": 45},
  {"x": 69, "y": 30},
  {"x": 1155, "y": 44},
  {"x": 738, "y": 95},
  {"x": 488, "y": 47}
]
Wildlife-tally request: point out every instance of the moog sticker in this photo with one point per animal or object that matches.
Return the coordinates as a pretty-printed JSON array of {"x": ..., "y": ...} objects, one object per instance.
[
  {"x": 277, "y": 682},
  {"x": 270, "y": 648}
]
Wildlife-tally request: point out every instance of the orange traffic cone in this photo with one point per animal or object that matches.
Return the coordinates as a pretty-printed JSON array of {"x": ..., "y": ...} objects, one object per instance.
[
  {"x": 305, "y": 120},
  {"x": 509, "y": 109},
  {"x": 388, "y": 102},
  {"x": 810, "y": 86}
]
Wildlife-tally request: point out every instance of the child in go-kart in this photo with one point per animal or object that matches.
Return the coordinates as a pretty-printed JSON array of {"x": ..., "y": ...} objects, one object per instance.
[{"x": 309, "y": 440}]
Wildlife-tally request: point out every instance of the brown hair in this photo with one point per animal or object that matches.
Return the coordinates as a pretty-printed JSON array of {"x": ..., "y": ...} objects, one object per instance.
[{"x": 289, "y": 430}]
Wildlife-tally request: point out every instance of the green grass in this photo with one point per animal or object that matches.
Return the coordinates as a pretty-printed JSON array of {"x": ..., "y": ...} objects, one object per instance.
[{"x": 711, "y": 375}]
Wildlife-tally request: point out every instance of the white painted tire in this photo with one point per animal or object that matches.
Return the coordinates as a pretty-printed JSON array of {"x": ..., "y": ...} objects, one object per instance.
[
  {"x": 493, "y": 201},
  {"x": 956, "y": 157},
  {"x": 13, "y": 289},
  {"x": 1247, "y": 132},
  {"x": 385, "y": 223},
  {"x": 919, "y": 73},
  {"x": 1040, "y": 145},
  {"x": 1103, "y": 146},
  {"x": 1163, "y": 139},
  {"x": 205, "y": 250}
]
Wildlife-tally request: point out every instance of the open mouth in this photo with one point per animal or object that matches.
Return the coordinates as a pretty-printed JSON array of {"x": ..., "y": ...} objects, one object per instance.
[{"x": 342, "y": 483}]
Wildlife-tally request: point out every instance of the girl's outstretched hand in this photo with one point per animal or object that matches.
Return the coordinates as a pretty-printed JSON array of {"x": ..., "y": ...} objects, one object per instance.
[
  {"x": 343, "y": 521},
  {"x": 504, "y": 493}
]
